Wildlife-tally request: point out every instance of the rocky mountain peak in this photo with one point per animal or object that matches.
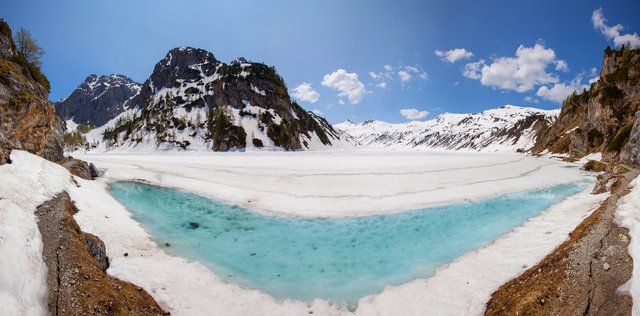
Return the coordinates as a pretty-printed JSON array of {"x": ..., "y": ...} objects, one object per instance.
[
  {"x": 98, "y": 99},
  {"x": 192, "y": 99}
]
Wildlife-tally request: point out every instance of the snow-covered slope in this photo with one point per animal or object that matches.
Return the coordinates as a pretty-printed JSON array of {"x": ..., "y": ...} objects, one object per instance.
[{"x": 507, "y": 128}]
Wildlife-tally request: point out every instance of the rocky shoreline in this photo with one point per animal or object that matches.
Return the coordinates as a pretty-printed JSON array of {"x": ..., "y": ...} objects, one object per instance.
[
  {"x": 581, "y": 276},
  {"x": 76, "y": 262}
]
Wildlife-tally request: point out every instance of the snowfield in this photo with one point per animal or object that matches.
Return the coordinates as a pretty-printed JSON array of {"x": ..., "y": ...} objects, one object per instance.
[
  {"x": 627, "y": 216},
  {"x": 336, "y": 184},
  {"x": 328, "y": 184}
]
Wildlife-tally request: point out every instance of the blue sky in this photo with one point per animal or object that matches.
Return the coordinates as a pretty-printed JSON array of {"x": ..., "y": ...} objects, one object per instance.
[{"x": 359, "y": 59}]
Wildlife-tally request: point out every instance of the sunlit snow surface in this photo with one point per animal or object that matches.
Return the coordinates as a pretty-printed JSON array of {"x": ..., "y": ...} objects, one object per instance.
[{"x": 337, "y": 259}]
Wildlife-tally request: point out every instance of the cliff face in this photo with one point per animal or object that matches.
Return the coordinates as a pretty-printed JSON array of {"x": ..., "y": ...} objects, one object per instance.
[
  {"x": 192, "y": 99},
  {"x": 27, "y": 119},
  {"x": 98, "y": 99},
  {"x": 604, "y": 118}
]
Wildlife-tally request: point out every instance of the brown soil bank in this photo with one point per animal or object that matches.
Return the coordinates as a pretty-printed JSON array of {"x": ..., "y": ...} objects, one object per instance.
[
  {"x": 76, "y": 262},
  {"x": 581, "y": 276}
]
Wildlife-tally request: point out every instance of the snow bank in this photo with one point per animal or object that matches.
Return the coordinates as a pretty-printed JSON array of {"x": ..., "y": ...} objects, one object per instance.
[
  {"x": 628, "y": 215},
  {"x": 337, "y": 184},
  {"x": 26, "y": 183}
]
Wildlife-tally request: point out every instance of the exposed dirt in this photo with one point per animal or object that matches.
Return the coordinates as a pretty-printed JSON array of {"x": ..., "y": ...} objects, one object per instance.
[
  {"x": 77, "y": 283},
  {"x": 581, "y": 276}
]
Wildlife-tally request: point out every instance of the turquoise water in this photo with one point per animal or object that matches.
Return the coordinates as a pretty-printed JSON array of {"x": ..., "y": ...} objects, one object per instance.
[{"x": 340, "y": 260}]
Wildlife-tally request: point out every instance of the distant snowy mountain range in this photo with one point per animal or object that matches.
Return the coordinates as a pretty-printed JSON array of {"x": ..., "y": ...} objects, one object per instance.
[{"x": 507, "y": 128}]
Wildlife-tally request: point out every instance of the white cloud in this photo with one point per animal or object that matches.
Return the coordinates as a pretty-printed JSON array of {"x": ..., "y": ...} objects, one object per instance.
[
  {"x": 304, "y": 92},
  {"x": 453, "y": 55},
  {"x": 560, "y": 91},
  {"x": 347, "y": 84},
  {"x": 340, "y": 102},
  {"x": 613, "y": 32},
  {"x": 531, "y": 100},
  {"x": 561, "y": 65},
  {"x": 413, "y": 114},
  {"x": 316, "y": 112},
  {"x": 520, "y": 73},
  {"x": 404, "y": 76},
  {"x": 473, "y": 70}
]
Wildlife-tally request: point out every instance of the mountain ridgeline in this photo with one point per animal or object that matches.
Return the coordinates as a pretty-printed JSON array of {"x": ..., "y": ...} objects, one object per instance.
[
  {"x": 97, "y": 100},
  {"x": 604, "y": 118},
  {"x": 192, "y": 100},
  {"x": 507, "y": 128}
]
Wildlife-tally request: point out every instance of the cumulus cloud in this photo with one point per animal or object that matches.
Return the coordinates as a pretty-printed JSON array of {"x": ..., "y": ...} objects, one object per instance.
[
  {"x": 347, "y": 84},
  {"x": 521, "y": 73},
  {"x": 413, "y": 114},
  {"x": 316, "y": 112},
  {"x": 381, "y": 85},
  {"x": 388, "y": 68},
  {"x": 560, "y": 91},
  {"x": 613, "y": 32},
  {"x": 531, "y": 100},
  {"x": 404, "y": 76},
  {"x": 473, "y": 70},
  {"x": 453, "y": 55},
  {"x": 304, "y": 92}
]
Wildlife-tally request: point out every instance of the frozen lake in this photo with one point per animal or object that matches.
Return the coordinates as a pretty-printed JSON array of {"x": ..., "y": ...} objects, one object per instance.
[
  {"x": 342, "y": 259},
  {"x": 344, "y": 186}
]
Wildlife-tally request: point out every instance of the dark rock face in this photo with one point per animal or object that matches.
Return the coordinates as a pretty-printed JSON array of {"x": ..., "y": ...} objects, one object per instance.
[
  {"x": 27, "y": 120},
  {"x": 190, "y": 78},
  {"x": 93, "y": 170},
  {"x": 97, "y": 250},
  {"x": 602, "y": 119},
  {"x": 631, "y": 151},
  {"x": 98, "y": 99}
]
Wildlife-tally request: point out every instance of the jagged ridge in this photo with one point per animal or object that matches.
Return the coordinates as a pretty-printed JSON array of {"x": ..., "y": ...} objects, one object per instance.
[
  {"x": 508, "y": 128},
  {"x": 98, "y": 99}
]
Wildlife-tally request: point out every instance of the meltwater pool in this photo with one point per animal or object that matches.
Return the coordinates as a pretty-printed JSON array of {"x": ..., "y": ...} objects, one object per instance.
[{"x": 340, "y": 260}]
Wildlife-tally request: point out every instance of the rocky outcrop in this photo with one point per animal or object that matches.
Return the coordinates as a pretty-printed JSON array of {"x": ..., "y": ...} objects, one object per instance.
[
  {"x": 76, "y": 262},
  {"x": 27, "y": 119},
  {"x": 98, "y": 99},
  {"x": 79, "y": 168},
  {"x": 192, "y": 97},
  {"x": 603, "y": 118}
]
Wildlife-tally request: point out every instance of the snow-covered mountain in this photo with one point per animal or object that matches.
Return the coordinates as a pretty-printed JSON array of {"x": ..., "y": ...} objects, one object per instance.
[
  {"x": 507, "y": 128},
  {"x": 98, "y": 99},
  {"x": 192, "y": 101}
]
